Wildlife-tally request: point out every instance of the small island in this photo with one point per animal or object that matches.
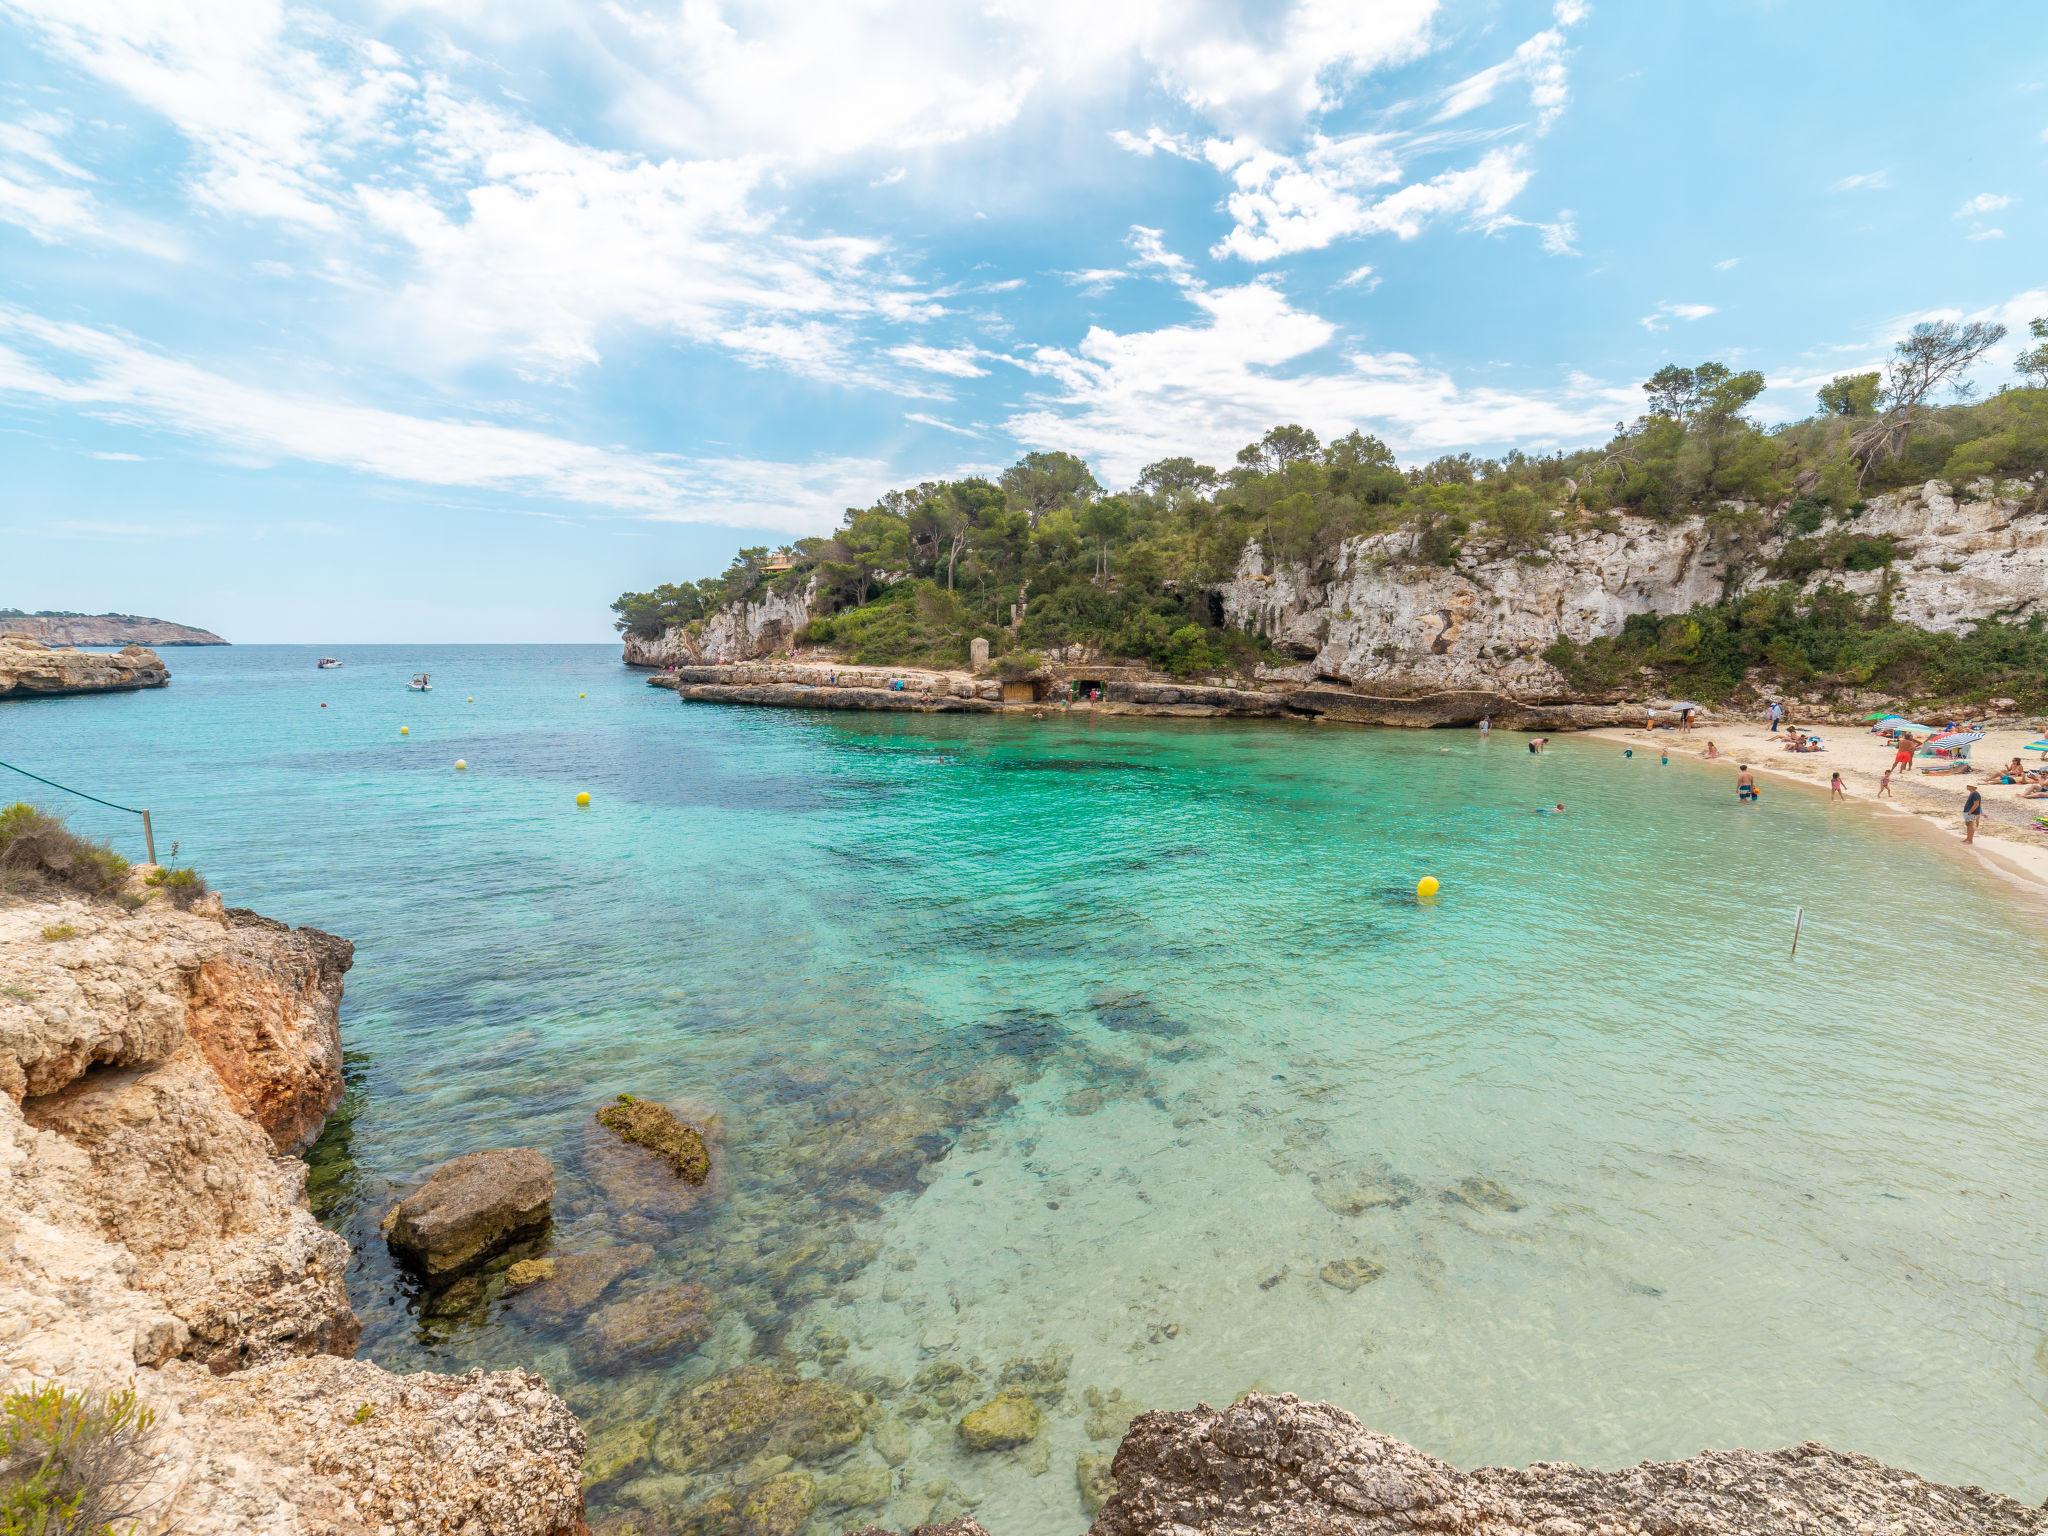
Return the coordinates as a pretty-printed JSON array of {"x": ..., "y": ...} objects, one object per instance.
[
  {"x": 109, "y": 629},
  {"x": 30, "y": 668}
]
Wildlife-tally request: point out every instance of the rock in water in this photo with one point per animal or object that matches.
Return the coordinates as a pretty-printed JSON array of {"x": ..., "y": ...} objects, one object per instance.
[
  {"x": 1351, "y": 1274},
  {"x": 656, "y": 1128},
  {"x": 470, "y": 1208},
  {"x": 1010, "y": 1418},
  {"x": 672, "y": 1320}
]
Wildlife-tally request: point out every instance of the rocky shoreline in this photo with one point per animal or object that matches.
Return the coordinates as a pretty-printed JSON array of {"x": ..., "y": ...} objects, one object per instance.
[
  {"x": 30, "y": 668},
  {"x": 1123, "y": 691},
  {"x": 159, "y": 1069},
  {"x": 1278, "y": 1466}
]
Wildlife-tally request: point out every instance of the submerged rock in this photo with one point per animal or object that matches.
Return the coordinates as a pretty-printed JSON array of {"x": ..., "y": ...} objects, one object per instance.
[
  {"x": 1109, "y": 1413},
  {"x": 1135, "y": 1013},
  {"x": 1277, "y": 1464},
  {"x": 1355, "y": 1193},
  {"x": 1478, "y": 1194},
  {"x": 753, "y": 1411},
  {"x": 566, "y": 1286},
  {"x": 1008, "y": 1419},
  {"x": 1044, "y": 1377},
  {"x": 1351, "y": 1274},
  {"x": 668, "y": 1321},
  {"x": 1097, "y": 1483},
  {"x": 856, "y": 1488},
  {"x": 660, "y": 1131},
  {"x": 470, "y": 1208}
]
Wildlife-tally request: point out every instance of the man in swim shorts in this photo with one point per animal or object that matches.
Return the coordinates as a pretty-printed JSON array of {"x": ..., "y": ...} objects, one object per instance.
[
  {"x": 1973, "y": 812},
  {"x": 1745, "y": 784}
]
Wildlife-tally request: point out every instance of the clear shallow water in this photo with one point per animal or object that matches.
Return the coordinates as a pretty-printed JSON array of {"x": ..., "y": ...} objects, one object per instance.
[{"x": 1105, "y": 1037}]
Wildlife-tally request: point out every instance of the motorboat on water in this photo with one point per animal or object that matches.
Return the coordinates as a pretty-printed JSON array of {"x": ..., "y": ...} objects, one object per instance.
[
  {"x": 326, "y": 662},
  {"x": 421, "y": 683}
]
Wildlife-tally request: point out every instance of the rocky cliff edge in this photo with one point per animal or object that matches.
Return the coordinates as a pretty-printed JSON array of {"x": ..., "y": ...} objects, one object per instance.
[
  {"x": 29, "y": 667},
  {"x": 158, "y": 1069}
]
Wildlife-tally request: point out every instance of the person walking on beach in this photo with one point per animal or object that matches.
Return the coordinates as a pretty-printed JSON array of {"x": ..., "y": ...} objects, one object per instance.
[
  {"x": 1776, "y": 715},
  {"x": 1902, "y": 757},
  {"x": 1745, "y": 784},
  {"x": 1973, "y": 812},
  {"x": 1836, "y": 791},
  {"x": 1884, "y": 784}
]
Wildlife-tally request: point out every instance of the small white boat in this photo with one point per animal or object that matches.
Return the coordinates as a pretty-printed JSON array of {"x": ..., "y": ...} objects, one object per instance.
[
  {"x": 329, "y": 661},
  {"x": 421, "y": 683}
]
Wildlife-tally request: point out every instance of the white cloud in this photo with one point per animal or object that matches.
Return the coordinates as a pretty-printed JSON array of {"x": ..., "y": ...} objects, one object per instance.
[
  {"x": 1283, "y": 205},
  {"x": 1538, "y": 63},
  {"x": 944, "y": 426},
  {"x": 1250, "y": 359},
  {"x": 1727, "y": 263},
  {"x": 1361, "y": 277},
  {"x": 1095, "y": 281},
  {"x": 890, "y": 178},
  {"x": 1983, "y": 202},
  {"x": 1570, "y": 13},
  {"x": 1986, "y": 232},
  {"x": 111, "y": 377},
  {"x": 1863, "y": 181},
  {"x": 955, "y": 362},
  {"x": 120, "y": 458},
  {"x": 1154, "y": 141},
  {"x": 45, "y": 192},
  {"x": 1661, "y": 317}
]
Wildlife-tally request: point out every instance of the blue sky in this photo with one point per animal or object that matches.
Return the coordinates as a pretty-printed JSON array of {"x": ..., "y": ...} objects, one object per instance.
[{"x": 450, "y": 319}]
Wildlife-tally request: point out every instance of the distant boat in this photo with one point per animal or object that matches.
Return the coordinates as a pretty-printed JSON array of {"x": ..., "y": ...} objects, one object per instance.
[
  {"x": 329, "y": 661},
  {"x": 420, "y": 683}
]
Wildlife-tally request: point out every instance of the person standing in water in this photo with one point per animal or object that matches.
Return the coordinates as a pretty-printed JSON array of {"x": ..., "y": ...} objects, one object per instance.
[
  {"x": 1973, "y": 812},
  {"x": 1485, "y": 725},
  {"x": 1745, "y": 784},
  {"x": 1836, "y": 789}
]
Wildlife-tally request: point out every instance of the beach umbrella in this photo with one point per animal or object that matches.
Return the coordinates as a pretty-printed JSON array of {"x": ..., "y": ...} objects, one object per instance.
[
  {"x": 1880, "y": 715},
  {"x": 1952, "y": 740},
  {"x": 1902, "y": 726}
]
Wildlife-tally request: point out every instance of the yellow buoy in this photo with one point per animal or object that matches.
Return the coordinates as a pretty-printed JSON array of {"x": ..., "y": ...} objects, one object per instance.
[
  {"x": 405, "y": 730},
  {"x": 470, "y": 700},
  {"x": 462, "y": 762},
  {"x": 1427, "y": 887},
  {"x": 582, "y": 695},
  {"x": 583, "y": 797}
]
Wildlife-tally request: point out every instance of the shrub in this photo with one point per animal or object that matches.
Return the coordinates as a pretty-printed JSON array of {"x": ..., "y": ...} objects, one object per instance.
[
  {"x": 35, "y": 848},
  {"x": 181, "y": 887},
  {"x": 57, "y": 933},
  {"x": 1019, "y": 664},
  {"x": 72, "y": 1465}
]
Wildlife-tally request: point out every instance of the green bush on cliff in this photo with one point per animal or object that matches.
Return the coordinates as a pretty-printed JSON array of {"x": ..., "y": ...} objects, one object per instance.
[
  {"x": 72, "y": 1465},
  {"x": 36, "y": 848},
  {"x": 1831, "y": 640},
  {"x": 180, "y": 886}
]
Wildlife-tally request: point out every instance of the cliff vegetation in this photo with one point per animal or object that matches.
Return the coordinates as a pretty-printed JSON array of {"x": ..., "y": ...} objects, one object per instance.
[{"x": 1043, "y": 557}]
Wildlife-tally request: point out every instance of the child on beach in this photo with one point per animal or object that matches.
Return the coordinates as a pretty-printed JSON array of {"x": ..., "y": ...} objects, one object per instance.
[
  {"x": 1884, "y": 784},
  {"x": 1745, "y": 784},
  {"x": 1836, "y": 791},
  {"x": 1712, "y": 751}
]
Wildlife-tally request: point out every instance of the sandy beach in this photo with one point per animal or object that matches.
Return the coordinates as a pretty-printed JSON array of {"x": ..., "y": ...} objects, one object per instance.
[{"x": 2008, "y": 839}]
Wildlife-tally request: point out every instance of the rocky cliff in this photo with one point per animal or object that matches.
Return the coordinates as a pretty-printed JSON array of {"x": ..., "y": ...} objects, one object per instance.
[
  {"x": 1277, "y": 1466},
  {"x": 157, "y": 1068},
  {"x": 104, "y": 629},
  {"x": 742, "y": 632},
  {"x": 29, "y": 667},
  {"x": 1378, "y": 620}
]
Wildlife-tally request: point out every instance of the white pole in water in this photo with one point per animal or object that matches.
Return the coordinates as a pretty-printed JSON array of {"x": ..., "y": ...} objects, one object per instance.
[{"x": 1798, "y": 919}]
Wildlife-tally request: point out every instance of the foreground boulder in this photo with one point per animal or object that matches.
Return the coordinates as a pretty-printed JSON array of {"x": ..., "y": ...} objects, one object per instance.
[
  {"x": 1279, "y": 1465},
  {"x": 153, "y": 1063},
  {"x": 29, "y": 667},
  {"x": 470, "y": 1208}
]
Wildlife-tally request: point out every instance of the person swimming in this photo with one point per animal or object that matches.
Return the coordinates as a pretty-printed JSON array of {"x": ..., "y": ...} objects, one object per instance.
[{"x": 1551, "y": 810}]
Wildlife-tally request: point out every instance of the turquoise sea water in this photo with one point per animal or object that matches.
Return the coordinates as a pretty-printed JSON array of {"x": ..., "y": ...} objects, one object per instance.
[{"x": 1103, "y": 1038}]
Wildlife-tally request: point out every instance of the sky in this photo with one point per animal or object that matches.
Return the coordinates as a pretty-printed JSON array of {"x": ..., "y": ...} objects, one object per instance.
[{"x": 449, "y": 320}]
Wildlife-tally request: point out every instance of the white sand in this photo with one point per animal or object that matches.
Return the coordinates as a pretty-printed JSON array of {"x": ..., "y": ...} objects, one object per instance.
[{"x": 2008, "y": 840}]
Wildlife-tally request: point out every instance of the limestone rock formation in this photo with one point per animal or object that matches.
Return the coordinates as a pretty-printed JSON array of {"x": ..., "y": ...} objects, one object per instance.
[
  {"x": 1277, "y": 1466},
  {"x": 742, "y": 632},
  {"x": 1380, "y": 622},
  {"x": 153, "y": 1238},
  {"x": 29, "y": 667},
  {"x": 469, "y": 1208}
]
